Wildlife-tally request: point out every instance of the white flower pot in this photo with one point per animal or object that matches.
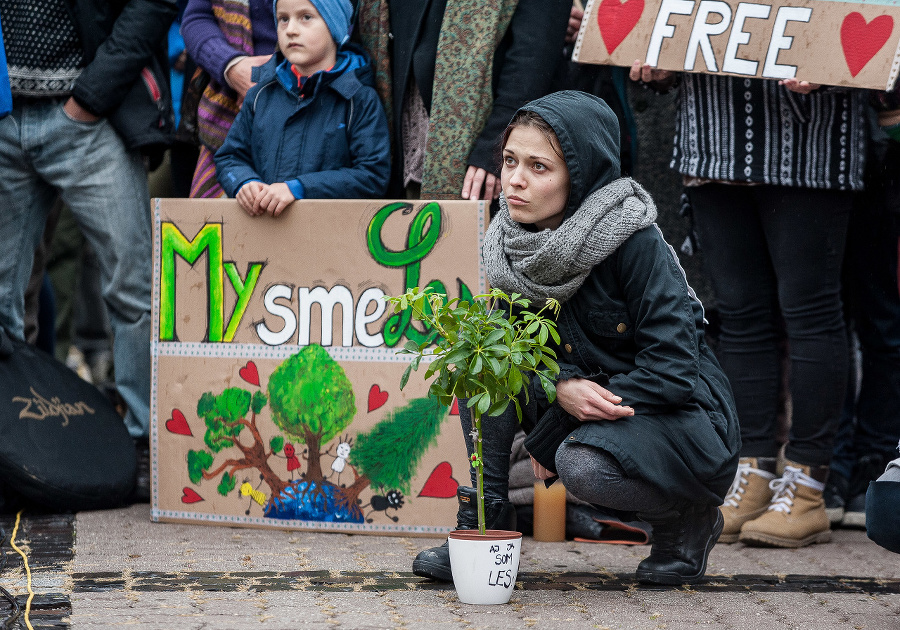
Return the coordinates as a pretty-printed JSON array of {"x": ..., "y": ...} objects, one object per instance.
[{"x": 484, "y": 566}]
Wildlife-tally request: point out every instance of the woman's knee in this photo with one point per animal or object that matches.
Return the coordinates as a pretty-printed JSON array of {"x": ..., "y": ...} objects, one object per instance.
[{"x": 581, "y": 466}]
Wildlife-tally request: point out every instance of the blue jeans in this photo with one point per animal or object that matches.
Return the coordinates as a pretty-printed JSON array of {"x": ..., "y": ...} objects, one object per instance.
[
  {"x": 44, "y": 153},
  {"x": 771, "y": 252}
]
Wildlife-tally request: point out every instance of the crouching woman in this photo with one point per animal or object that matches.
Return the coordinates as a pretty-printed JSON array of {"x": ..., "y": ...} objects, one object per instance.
[{"x": 644, "y": 421}]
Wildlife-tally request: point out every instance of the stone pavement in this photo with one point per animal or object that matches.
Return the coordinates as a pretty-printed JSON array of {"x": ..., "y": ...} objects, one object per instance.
[{"x": 113, "y": 569}]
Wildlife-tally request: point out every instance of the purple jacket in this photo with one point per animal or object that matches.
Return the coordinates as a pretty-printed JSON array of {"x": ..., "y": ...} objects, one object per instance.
[{"x": 208, "y": 47}]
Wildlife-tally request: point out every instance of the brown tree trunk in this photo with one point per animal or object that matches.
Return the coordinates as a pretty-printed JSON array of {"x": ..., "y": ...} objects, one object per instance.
[
  {"x": 350, "y": 495},
  {"x": 313, "y": 458},
  {"x": 257, "y": 456}
]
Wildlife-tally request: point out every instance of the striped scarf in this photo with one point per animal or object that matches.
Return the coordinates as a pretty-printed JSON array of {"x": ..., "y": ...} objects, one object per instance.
[
  {"x": 470, "y": 34},
  {"x": 220, "y": 104}
]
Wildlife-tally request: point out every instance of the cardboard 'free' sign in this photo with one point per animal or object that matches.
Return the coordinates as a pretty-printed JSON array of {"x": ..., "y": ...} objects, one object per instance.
[
  {"x": 854, "y": 44},
  {"x": 275, "y": 394}
]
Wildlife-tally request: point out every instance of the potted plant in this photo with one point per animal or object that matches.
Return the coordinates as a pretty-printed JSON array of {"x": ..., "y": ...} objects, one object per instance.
[{"x": 487, "y": 350}]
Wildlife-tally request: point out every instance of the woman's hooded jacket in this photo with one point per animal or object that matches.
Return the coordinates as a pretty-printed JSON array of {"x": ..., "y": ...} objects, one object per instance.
[{"x": 636, "y": 328}]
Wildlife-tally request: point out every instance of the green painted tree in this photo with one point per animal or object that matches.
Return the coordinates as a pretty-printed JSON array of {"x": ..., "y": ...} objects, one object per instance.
[
  {"x": 389, "y": 454},
  {"x": 226, "y": 418},
  {"x": 311, "y": 400}
]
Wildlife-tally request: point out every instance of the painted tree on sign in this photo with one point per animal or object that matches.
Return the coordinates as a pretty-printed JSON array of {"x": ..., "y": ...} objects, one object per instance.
[
  {"x": 389, "y": 454},
  {"x": 226, "y": 418},
  {"x": 311, "y": 400}
]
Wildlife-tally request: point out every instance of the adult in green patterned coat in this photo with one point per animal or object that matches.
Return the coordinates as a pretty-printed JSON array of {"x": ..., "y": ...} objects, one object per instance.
[{"x": 444, "y": 138}]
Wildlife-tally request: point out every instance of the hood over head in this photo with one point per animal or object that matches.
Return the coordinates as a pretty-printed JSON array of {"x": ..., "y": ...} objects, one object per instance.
[{"x": 588, "y": 133}]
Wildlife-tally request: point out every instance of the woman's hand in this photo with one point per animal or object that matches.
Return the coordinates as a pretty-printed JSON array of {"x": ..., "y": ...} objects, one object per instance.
[
  {"x": 800, "y": 87},
  {"x": 238, "y": 75},
  {"x": 647, "y": 74},
  {"x": 539, "y": 471},
  {"x": 575, "y": 17},
  {"x": 589, "y": 402},
  {"x": 247, "y": 196},
  {"x": 274, "y": 199},
  {"x": 476, "y": 178}
]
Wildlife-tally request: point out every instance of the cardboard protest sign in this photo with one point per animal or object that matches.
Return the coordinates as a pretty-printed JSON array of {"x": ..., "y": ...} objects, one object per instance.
[
  {"x": 854, "y": 44},
  {"x": 275, "y": 394}
]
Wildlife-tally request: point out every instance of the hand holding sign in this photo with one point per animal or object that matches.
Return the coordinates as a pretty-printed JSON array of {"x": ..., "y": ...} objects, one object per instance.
[{"x": 802, "y": 43}]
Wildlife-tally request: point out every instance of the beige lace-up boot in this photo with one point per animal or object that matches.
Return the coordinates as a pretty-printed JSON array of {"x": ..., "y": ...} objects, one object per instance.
[
  {"x": 749, "y": 495},
  {"x": 796, "y": 516}
]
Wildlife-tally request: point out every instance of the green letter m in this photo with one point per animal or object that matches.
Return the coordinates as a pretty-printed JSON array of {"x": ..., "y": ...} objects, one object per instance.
[{"x": 208, "y": 239}]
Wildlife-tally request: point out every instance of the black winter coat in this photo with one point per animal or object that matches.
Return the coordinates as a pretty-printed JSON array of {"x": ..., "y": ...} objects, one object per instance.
[
  {"x": 636, "y": 328},
  {"x": 126, "y": 77}
]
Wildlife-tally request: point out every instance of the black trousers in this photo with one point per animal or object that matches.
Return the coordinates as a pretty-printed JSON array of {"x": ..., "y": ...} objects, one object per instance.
[{"x": 775, "y": 252}]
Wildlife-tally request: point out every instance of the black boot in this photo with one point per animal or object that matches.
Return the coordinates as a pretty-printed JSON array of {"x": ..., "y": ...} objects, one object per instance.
[
  {"x": 681, "y": 545},
  {"x": 434, "y": 563}
]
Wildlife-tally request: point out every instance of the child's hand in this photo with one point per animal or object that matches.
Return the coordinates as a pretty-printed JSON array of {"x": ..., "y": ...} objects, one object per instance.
[
  {"x": 274, "y": 199},
  {"x": 248, "y": 195}
]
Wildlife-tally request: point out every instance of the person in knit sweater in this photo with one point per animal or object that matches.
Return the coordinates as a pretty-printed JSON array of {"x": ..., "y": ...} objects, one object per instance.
[{"x": 89, "y": 106}]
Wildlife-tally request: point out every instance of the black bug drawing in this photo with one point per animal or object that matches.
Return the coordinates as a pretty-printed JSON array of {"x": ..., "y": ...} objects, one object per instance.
[{"x": 392, "y": 500}]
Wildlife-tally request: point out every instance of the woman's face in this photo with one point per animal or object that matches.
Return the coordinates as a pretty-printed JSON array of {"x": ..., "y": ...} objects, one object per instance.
[{"x": 535, "y": 179}]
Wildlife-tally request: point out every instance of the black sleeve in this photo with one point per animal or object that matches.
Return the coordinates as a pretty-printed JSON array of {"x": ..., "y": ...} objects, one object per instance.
[
  {"x": 536, "y": 38},
  {"x": 138, "y": 33}
]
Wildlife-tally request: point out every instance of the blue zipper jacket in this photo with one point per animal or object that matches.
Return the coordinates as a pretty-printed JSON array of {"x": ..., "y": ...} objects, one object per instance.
[{"x": 329, "y": 140}]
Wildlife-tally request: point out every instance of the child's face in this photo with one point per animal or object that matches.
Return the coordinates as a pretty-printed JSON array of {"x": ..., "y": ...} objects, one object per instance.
[
  {"x": 535, "y": 178},
  {"x": 303, "y": 37}
]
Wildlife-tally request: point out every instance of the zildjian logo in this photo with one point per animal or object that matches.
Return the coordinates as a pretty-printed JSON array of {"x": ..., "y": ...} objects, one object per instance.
[{"x": 39, "y": 408}]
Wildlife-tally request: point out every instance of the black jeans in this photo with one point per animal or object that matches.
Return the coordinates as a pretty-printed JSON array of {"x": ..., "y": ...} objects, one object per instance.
[
  {"x": 871, "y": 423},
  {"x": 770, "y": 252}
]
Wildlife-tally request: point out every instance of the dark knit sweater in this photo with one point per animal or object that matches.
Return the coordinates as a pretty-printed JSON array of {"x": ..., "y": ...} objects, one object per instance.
[
  {"x": 43, "y": 53},
  {"x": 752, "y": 130}
]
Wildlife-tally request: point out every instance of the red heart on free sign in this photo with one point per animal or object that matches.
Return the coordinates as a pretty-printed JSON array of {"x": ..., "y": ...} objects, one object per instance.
[
  {"x": 861, "y": 40},
  {"x": 178, "y": 424},
  {"x": 189, "y": 496},
  {"x": 454, "y": 409},
  {"x": 617, "y": 19},
  {"x": 377, "y": 398},
  {"x": 440, "y": 483},
  {"x": 249, "y": 373}
]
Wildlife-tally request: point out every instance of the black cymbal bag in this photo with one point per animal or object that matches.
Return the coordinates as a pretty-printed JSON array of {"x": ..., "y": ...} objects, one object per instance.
[{"x": 63, "y": 446}]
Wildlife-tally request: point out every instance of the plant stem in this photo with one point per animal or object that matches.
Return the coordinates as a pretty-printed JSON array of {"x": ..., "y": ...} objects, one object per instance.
[{"x": 479, "y": 473}]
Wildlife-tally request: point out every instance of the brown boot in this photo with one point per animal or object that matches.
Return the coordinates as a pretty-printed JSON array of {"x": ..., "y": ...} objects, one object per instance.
[
  {"x": 796, "y": 516},
  {"x": 749, "y": 495}
]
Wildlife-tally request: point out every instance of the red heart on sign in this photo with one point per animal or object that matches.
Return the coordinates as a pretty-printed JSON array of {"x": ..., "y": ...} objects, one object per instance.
[
  {"x": 189, "y": 496},
  {"x": 178, "y": 424},
  {"x": 377, "y": 398},
  {"x": 440, "y": 483},
  {"x": 454, "y": 409},
  {"x": 861, "y": 41},
  {"x": 249, "y": 373},
  {"x": 617, "y": 19}
]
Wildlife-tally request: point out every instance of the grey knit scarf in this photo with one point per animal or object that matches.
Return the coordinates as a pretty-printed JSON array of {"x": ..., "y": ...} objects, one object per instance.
[{"x": 554, "y": 263}]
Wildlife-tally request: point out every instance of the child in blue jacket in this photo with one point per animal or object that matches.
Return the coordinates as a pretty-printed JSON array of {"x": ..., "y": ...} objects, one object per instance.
[{"x": 312, "y": 127}]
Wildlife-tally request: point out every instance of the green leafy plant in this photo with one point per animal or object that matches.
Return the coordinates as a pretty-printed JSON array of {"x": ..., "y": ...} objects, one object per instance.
[{"x": 487, "y": 351}]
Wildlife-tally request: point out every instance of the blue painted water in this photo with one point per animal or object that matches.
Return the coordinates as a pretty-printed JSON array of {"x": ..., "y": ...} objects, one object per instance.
[{"x": 308, "y": 501}]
